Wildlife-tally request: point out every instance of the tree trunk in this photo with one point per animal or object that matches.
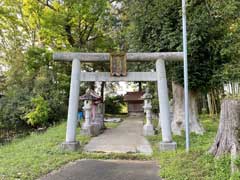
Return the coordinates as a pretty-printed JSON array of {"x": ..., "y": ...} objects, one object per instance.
[
  {"x": 210, "y": 106},
  {"x": 213, "y": 102},
  {"x": 227, "y": 138},
  {"x": 178, "y": 122},
  {"x": 139, "y": 86},
  {"x": 102, "y": 90},
  {"x": 204, "y": 105},
  {"x": 92, "y": 85}
]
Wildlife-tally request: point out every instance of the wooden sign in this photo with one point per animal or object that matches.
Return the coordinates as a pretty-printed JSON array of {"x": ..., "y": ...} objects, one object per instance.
[{"x": 118, "y": 64}]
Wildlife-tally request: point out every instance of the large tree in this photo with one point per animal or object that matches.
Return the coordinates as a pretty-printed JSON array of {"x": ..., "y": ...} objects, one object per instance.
[
  {"x": 158, "y": 27},
  {"x": 30, "y": 30},
  {"x": 227, "y": 138}
]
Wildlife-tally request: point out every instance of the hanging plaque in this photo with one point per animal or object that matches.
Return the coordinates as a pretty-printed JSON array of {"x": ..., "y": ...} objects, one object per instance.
[{"x": 118, "y": 64}]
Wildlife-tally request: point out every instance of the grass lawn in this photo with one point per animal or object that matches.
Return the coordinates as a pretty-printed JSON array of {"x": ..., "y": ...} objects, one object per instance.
[
  {"x": 38, "y": 154},
  {"x": 26, "y": 158},
  {"x": 110, "y": 125},
  {"x": 197, "y": 165}
]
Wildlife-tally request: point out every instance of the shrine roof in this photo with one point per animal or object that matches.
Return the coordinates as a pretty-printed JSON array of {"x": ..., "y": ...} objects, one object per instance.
[{"x": 90, "y": 95}]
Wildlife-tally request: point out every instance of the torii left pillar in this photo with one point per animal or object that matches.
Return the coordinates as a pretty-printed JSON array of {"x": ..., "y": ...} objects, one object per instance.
[{"x": 71, "y": 143}]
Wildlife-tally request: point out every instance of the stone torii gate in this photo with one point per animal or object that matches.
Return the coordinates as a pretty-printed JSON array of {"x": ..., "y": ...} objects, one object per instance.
[{"x": 158, "y": 76}]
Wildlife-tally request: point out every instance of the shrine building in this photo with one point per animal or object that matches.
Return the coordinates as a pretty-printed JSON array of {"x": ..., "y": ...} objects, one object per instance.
[{"x": 134, "y": 103}]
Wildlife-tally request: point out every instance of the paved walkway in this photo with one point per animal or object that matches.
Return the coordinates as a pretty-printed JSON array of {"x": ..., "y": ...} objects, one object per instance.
[
  {"x": 106, "y": 170},
  {"x": 126, "y": 138}
]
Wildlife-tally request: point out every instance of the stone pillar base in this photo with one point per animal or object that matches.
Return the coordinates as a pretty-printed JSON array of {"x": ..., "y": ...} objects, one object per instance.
[
  {"x": 87, "y": 130},
  {"x": 70, "y": 146},
  {"x": 148, "y": 130},
  {"x": 167, "y": 146},
  {"x": 96, "y": 130},
  {"x": 99, "y": 119}
]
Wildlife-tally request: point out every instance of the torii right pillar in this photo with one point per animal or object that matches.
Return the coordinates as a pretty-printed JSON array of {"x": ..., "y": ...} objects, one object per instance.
[{"x": 167, "y": 143}]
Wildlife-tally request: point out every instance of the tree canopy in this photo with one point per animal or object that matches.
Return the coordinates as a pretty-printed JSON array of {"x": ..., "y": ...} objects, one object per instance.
[
  {"x": 30, "y": 30},
  {"x": 211, "y": 28}
]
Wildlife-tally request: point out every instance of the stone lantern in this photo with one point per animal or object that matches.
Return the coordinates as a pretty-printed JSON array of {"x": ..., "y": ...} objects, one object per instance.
[
  {"x": 89, "y": 127},
  {"x": 148, "y": 129}
]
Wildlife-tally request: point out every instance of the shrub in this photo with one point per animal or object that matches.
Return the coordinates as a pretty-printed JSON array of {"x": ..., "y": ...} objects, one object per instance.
[
  {"x": 35, "y": 95},
  {"x": 39, "y": 114},
  {"x": 113, "y": 104}
]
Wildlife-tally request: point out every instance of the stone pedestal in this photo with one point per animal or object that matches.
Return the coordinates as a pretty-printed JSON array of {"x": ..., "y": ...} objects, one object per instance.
[
  {"x": 88, "y": 130},
  {"x": 96, "y": 129},
  {"x": 97, "y": 125},
  {"x": 167, "y": 146},
  {"x": 70, "y": 146},
  {"x": 99, "y": 119},
  {"x": 148, "y": 130}
]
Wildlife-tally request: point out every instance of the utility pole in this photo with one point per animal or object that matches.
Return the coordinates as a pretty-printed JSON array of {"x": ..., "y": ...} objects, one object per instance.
[{"x": 186, "y": 103}]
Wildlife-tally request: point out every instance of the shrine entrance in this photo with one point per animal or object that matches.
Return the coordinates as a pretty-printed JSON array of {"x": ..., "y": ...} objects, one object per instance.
[{"x": 118, "y": 73}]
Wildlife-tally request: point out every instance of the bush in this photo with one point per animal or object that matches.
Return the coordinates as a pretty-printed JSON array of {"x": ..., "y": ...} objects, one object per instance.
[
  {"x": 113, "y": 105},
  {"x": 39, "y": 114},
  {"x": 35, "y": 94}
]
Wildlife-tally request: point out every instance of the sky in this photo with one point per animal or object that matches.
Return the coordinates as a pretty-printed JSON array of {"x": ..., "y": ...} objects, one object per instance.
[{"x": 124, "y": 87}]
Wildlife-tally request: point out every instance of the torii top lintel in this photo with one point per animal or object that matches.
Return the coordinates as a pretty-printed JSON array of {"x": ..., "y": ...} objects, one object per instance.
[{"x": 100, "y": 57}]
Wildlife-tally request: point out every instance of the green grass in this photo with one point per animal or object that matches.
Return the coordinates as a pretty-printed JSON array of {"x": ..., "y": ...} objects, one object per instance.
[
  {"x": 27, "y": 158},
  {"x": 197, "y": 164},
  {"x": 110, "y": 125},
  {"x": 38, "y": 154},
  {"x": 123, "y": 115}
]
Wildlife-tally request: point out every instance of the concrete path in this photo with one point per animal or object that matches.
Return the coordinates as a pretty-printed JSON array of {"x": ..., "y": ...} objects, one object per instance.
[
  {"x": 126, "y": 138},
  {"x": 106, "y": 170}
]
